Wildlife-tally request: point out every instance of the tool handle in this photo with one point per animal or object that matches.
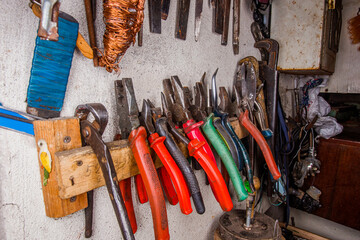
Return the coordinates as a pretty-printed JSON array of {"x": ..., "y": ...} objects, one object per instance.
[
  {"x": 168, "y": 187},
  {"x": 192, "y": 131},
  {"x": 196, "y": 150},
  {"x": 183, "y": 165},
  {"x": 125, "y": 188},
  {"x": 244, "y": 156},
  {"x": 89, "y": 214},
  {"x": 157, "y": 143},
  {"x": 260, "y": 140},
  {"x": 140, "y": 189},
  {"x": 149, "y": 175},
  {"x": 225, "y": 156},
  {"x": 91, "y": 29}
]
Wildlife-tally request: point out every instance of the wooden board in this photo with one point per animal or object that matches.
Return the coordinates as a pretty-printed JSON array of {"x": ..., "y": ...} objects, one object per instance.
[
  {"x": 54, "y": 132},
  {"x": 302, "y": 233}
]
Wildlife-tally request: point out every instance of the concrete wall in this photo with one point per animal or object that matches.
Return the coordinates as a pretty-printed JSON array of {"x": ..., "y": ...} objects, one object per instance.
[{"x": 22, "y": 214}]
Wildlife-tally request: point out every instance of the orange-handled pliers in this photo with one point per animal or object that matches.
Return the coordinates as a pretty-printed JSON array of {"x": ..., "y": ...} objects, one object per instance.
[
  {"x": 245, "y": 104},
  {"x": 129, "y": 122}
]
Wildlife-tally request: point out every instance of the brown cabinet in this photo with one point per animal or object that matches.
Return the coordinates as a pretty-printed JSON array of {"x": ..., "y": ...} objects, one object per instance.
[{"x": 339, "y": 181}]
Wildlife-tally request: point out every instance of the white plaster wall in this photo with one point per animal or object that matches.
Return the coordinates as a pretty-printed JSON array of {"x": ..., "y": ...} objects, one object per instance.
[{"x": 22, "y": 214}]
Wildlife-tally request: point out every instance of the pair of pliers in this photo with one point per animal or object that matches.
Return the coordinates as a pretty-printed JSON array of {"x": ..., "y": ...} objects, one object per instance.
[
  {"x": 150, "y": 115},
  {"x": 196, "y": 150},
  {"x": 245, "y": 97}
]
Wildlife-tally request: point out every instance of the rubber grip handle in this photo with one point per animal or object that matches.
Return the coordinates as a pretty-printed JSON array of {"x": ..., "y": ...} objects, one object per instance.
[
  {"x": 216, "y": 180},
  {"x": 260, "y": 140},
  {"x": 226, "y": 157},
  {"x": 140, "y": 189},
  {"x": 157, "y": 143},
  {"x": 168, "y": 187},
  {"x": 125, "y": 188},
  {"x": 151, "y": 181},
  {"x": 183, "y": 165}
]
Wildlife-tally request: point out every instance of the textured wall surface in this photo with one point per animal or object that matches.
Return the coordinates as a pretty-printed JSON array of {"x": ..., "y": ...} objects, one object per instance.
[{"x": 22, "y": 214}]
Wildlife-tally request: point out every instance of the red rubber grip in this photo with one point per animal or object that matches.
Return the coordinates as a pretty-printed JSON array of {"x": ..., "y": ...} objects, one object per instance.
[
  {"x": 192, "y": 131},
  {"x": 151, "y": 181},
  {"x": 125, "y": 188},
  {"x": 216, "y": 180},
  {"x": 260, "y": 140},
  {"x": 140, "y": 189},
  {"x": 168, "y": 187},
  {"x": 157, "y": 143}
]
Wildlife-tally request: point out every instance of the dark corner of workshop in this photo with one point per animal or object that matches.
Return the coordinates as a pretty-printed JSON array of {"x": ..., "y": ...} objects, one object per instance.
[{"x": 159, "y": 119}]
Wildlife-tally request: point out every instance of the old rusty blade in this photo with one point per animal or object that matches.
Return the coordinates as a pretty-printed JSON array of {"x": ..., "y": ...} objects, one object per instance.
[
  {"x": 182, "y": 16},
  {"x": 126, "y": 106},
  {"x": 236, "y": 26},
  {"x": 225, "y": 32},
  {"x": 155, "y": 16},
  {"x": 182, "y": 104},
  {"x": 198, "y": 13},
  {"x": 48, "y": 28},
  {"x": 224, "y": 100},
  {"x": 147, "y": 117},
  {"x": 219, "y": 16},
  {"x": 165, "y": 5}
]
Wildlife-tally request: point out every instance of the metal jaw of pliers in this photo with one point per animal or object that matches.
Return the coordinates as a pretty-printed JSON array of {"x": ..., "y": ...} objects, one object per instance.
[
  {"x": 92, "y": 132},
  {"x": 48, "y": 28},
  {"x": 149, "y": 115},
  {"x": 245, "y": 98},
  {"x": 130, "y": 126},
  {"x": 196, "y": 150}
]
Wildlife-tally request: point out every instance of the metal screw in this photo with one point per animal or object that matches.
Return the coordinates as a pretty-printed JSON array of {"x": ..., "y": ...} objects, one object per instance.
[{"x": 67, "y": 139}]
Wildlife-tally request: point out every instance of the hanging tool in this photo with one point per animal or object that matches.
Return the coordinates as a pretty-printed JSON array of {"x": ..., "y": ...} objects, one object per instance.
[
  {"x": 197, "y": 151},
  {"x": 245, "y": 102},
  {"x": 224, "y": 127},
  {"x": 48, "y": 29},
  {"x": 182, "y": 16},
  {"x": 198, "y": 13},
  {"x": 236, "y": 26},
  {"x": 165, "y": 5},
  {"x": 129, "y": 124},
  {"x": 181, "y": 161},
  {"x": 157, "y": 143},
  {"x": 225, "y": 32},
  {"x": 90, "y": 9},
  {"x": 262, "y": 15},
  {"x": 219, "y": 16},
  {"x": 91, "y": 133},
  {"x": 155, "y": 16}
]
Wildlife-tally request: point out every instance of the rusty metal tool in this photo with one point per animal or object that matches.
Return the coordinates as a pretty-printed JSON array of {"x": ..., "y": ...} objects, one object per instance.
[
  {"x": 48, "y": 28},
  {"x": 182, "y": 16},
  {"x": 219, "y": 16},
  {"x": 198, "y": 13},
  {"x": 91, "y": 133},
  {"x": 183, "y": 164},
  {"x": 155, "y": 16},
  {"x": 129, "y": 124},
  {"x": 196, "y": 150},
  {"x": 245, "y": 102},
  {"x": 90, "y": 18},
  {"x": 225, "y": 32},
  {"x": 165, "y": 5},
  {"x": 157, "y": 143},
  {"x": 236, "y": 26}
]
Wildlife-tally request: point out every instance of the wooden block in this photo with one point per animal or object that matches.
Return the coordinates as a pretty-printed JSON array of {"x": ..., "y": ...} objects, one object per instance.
[
  {"x": 240, "y": 130},
  {"x": 79, "y": 172},
  {"x": 302, "y": 233},
  {"x": 54, "y": 132}
]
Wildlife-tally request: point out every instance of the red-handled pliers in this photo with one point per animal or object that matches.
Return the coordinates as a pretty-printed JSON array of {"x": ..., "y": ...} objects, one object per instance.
[
  {"x": 245, "y": 104},
  {"x": 157, "y": 143},
  {"x": 129, "y": 123}
]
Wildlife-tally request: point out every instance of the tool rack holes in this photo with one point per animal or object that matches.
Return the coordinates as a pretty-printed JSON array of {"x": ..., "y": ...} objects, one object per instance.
[
  {"x": 67, "y": 139},
  {"x": 79, "y": 163},
  {"x": 72, "y": 180},
  {"x": 73, "y": 199}
]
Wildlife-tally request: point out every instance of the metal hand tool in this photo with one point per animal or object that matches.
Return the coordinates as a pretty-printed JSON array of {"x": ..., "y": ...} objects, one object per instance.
[
  {"x": 129, "y": 123},
  {"x": 157, "y": 143},
  {"x": 225, "y": 32},
  {"x": 48, "y": 28},
  {"x": 90, "y": 9},
  {"x": 91, "y": 133},
  {"x": 195, "y": 147},
  {"x": 181, "y": 161},
  {"x": 198, "y": 12},
  {"x": 241, "y": 153},
  {"x": 155, "y": 16},
  {"x": 165, "y": 5},
  {"x": 236, "y": 26},
  {"x": 219, "y": 16},
  {"x": 182, "y": 16},
  {"x": 245, "y": 102}
]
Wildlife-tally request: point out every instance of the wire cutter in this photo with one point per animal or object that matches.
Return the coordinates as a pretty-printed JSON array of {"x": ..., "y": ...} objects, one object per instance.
[
  {"x": 197, "y": 151},
  {"x": 157, "y": 143},
  {"x": 129, "y": 123},
  {"x": 245, "y": 98}
]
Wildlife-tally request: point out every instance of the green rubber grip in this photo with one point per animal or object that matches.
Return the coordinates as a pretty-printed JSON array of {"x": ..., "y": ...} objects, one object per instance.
[{"x": 225, "y": 155}]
